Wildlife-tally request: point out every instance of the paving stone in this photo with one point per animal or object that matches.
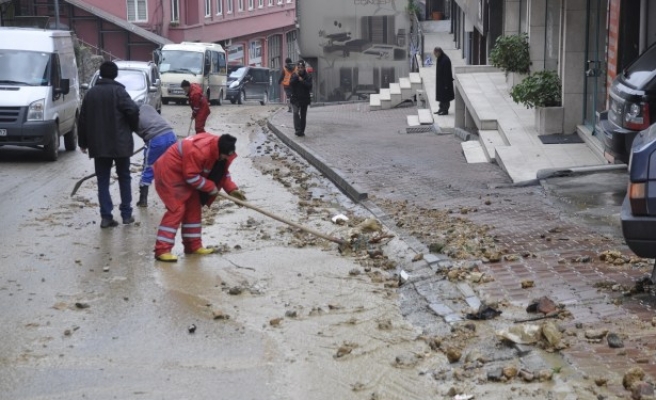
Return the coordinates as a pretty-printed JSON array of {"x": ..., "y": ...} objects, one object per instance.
[
  {"x": 466, "y": 290},
  {"x": 441, "y": 309}
]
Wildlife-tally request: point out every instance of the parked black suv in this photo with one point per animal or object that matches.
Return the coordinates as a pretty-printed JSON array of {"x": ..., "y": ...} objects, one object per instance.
[
  {"x": 638, "y": 213},
  {"x": 632, "y": 106}
]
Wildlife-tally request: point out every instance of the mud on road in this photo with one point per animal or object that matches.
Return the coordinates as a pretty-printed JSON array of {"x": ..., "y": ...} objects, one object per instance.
[{"x": 276, "y": 314}]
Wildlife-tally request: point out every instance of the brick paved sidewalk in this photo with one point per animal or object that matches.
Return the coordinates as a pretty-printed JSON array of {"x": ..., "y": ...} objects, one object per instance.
[{"x": 373, "y": 152}]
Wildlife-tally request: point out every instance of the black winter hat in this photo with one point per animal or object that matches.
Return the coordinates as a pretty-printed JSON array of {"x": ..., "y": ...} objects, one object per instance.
[
  {"x": 185, "y": 83},
  {"x": 227, "y": 144}
]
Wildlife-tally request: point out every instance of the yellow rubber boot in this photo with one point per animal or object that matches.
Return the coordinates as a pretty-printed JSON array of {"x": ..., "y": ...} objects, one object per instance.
[
  {"x": 167, "y": 257},
  {"x": 203, "y": 251}
]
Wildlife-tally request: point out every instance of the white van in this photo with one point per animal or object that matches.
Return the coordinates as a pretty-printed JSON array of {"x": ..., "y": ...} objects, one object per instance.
[
  {"x": 39, "y": 90},
  {"x": 202, "y": 63}
]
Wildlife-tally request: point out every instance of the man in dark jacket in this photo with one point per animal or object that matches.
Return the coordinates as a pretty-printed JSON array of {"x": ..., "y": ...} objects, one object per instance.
[
  {"x": 301, "y": 88},
  {"x": 285, "y": 79},
  {"x": 107, "y": 119},
  {"x": 443, "y": 81}
]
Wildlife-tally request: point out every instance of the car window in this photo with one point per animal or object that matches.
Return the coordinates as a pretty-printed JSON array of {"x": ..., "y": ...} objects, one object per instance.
[
  {"x": 238, "y": 73},
  {"x": 640, "y": 74},
  {"x": 132, "y": 80}
]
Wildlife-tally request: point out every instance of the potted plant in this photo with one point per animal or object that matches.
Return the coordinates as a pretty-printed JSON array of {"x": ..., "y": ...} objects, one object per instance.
[
  {"x": 412, "y": 8},
  {"x": 542, "y": 91},
  {"x": 510, "y": 54}
]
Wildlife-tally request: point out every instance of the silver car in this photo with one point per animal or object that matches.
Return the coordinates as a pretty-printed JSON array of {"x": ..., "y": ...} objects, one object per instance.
[{"x": 141, "y": 80}]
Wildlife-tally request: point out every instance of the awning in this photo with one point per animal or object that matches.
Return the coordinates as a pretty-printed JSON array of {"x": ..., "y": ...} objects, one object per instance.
[{"x": 151, "y": 37}]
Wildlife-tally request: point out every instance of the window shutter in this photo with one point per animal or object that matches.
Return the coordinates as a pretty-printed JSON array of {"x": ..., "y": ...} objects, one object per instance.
[
  {"x": 141, "y": 10},
  {"x": 131, "y": 10}
]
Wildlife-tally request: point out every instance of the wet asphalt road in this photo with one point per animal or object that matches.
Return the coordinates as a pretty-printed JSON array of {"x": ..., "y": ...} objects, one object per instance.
[{"x": 132, "y": 339}]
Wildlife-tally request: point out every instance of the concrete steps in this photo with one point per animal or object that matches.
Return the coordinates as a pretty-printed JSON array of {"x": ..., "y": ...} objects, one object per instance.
[
  {"x": 413, "y": 121},
  {"x": 398, "y": 92},
  {"x": 425, "y": 116},
  {"x": 375, "y": 103},
  {"x": 474, "y": 152},
  {"x": 406, "y": 88},
  {"x": 489, "y": 141}
]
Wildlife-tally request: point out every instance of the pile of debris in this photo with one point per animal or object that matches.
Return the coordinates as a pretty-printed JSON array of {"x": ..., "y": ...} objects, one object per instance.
[{"x": 446, "y": 231}]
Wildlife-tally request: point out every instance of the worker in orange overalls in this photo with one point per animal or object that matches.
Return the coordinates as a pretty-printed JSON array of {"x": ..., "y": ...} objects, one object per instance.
[
  {"x": 187, "y": 176},
  {"x": 285, "y": 78},
  {"x": 200, "y": 106}
]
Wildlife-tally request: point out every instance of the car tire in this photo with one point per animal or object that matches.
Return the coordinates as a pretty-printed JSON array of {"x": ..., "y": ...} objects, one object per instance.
[
  {"x": 265, "y": 99},
  {"x": 219, "y": 101},
  {"x": 242, "y": 97},
  {"x": 51, "y": 150},
  {"x": 233, "y": 101},
  {"x": 70, "y": 139}
]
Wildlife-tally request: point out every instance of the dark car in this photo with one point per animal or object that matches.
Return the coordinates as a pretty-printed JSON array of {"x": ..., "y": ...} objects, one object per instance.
[
  {"x": 249, "y": 83},
  {"x": 632, "y": 105},
  {"x": 638, "y": 213}
]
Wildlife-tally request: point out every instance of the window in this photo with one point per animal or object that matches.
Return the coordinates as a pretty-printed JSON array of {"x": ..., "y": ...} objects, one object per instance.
[
  {"x": 137, "y": 11},
  {"x": 208, "y": 8},
  {"x": 175, "y": 10},
  {"x": 251, "y": 4},
  {"x": 240, "y": 5},
  {"x": 289, "y": 1},
  {"x": 279, "y": 1},
  {"x": 260, "y": 3},
  {"x": 229, "y": 6},
  {"x": 270, "y": 3},
  {"x": 219, "y": 7}
]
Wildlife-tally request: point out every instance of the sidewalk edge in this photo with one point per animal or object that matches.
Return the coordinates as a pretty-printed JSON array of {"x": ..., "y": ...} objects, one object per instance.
[{"x": 352, "y": 191}]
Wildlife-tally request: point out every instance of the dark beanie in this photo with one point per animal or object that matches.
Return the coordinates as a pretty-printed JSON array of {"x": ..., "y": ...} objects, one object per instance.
[
  {"x": 185, "y": 83},
  {"x": 227, "y": 144}
]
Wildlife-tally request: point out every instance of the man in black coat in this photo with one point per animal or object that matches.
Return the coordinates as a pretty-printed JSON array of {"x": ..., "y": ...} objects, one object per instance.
[
  {"x": 301, "y": 90},
  {"x": 108, "y": 117},
  {"x": 443, "y": 81}
]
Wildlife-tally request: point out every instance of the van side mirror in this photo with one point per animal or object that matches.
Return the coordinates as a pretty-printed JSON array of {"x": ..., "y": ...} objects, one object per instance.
[
  {"x": 158, "y": 82},
  {"x": 152, "y": 89},
  {"x": 84, "y": 86},
  {"x": 64, "y": 87}
]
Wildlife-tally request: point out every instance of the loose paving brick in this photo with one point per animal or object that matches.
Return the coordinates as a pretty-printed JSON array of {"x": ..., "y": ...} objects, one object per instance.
[{"x": 431, "y": 172}]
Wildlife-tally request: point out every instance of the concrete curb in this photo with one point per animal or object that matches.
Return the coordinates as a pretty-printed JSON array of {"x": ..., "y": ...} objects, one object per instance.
[
  {"x": 577, "y": 171},
  {"x": 352, "y": 191}
]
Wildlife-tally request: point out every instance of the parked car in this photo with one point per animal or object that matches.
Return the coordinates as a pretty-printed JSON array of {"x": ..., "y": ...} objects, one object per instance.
[
  {"x": 632, "y": 105},
  {"x": 249, "y": 83},
  {"x": 39, "y": 90},
  {"x": 141, "y": 80},
  {"x": 638, "y": 213}
]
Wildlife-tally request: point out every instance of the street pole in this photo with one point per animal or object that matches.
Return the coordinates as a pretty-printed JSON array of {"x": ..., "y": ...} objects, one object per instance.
[{"x": 57, "y": 14}]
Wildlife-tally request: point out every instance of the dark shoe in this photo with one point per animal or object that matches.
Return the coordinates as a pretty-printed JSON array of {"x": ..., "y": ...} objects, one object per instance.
[
  {"x": 289, "y": 110},
  {"x": 128, "y": 221},
  {"x": 300, "y": 134},
  {"x": 143, "y": 196},
  {"x": 442, "y": 112},
  {"x": 108, "y": 223}
]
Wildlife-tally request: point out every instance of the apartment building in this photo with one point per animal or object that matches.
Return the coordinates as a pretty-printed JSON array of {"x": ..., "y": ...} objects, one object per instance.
[{"x": 254, "y": 32}]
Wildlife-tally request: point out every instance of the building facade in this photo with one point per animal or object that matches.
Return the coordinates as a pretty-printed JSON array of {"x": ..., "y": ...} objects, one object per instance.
[
  {"x": 356, "y": 46},
  {"x": 588, "y": 42},
  {"x": 254, "y": 32}
]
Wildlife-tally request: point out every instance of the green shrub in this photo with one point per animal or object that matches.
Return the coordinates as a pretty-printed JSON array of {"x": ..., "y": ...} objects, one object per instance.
[
  {"x": 541, "y": 89},
  {"x": 510, "y": 53},
  {"x": 412, "y": 8}
]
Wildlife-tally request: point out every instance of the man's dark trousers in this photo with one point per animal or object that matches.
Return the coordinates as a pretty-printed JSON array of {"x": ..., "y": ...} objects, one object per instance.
[
  {"x": 103, "y": 173},
  {"x": 300, "y": 114}
]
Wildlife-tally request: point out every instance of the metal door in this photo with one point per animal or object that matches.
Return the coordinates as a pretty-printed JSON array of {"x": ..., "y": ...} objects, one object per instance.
[{"x": 595, "y": 68}]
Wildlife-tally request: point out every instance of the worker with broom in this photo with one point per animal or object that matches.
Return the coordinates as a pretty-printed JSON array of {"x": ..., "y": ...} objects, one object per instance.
[
  {"x": 188, "y": 176},
  {"x": 158, "y": 136}
]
